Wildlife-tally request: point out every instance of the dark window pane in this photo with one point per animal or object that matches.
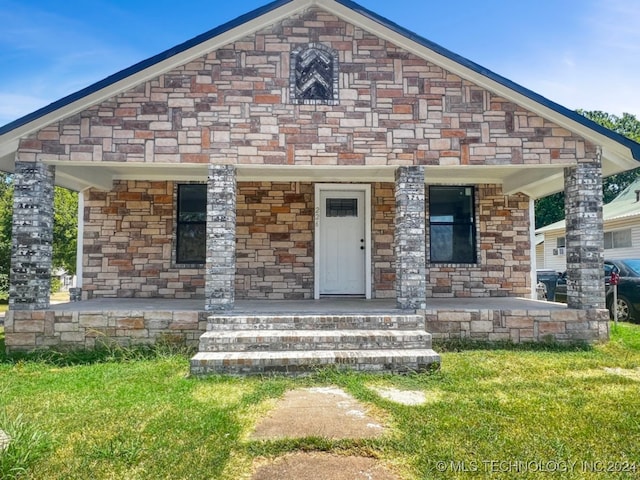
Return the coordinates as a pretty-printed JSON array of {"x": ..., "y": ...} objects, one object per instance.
[
  {"x": 191, "y": 225},
  {"x": 192, "y": 203},
  {"x": 191, "y": 243},
  {"x": 452, "y": 224},
  {"x": 342, "y": 207}
]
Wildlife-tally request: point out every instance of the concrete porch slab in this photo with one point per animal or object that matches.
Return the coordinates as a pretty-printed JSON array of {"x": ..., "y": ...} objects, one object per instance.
[{"x": 322, "y": 306}]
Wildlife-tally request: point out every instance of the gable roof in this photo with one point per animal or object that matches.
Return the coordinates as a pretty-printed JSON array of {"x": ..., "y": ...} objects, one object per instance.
[{"x": 619, "y": 152}]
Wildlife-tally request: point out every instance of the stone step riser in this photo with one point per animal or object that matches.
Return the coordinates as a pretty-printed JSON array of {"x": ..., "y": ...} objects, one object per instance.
[
  {"x": 293, "y": 363},
  {"x": 369, "y": 322},
  {"x": 294, "y": 345},
  {"x": 312, "y": 340}
]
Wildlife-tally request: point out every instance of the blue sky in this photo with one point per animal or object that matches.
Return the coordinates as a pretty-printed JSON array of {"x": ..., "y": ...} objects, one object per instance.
[{"x": 579, "y": 53}]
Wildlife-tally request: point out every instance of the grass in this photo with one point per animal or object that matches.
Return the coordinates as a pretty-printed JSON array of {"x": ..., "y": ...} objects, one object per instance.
[{"x": 490, "y": 410}]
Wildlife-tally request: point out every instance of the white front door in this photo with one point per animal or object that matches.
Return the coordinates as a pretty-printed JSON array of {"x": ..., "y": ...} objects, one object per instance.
[{"x": 342, "y": 238}]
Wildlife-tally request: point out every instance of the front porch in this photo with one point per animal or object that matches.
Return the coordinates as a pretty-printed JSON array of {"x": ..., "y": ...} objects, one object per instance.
[{"x": 145, "y": 321}]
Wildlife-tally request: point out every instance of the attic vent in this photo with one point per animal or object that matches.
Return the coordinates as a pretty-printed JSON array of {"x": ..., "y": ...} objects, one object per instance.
[{"x": 314, "y": 75}]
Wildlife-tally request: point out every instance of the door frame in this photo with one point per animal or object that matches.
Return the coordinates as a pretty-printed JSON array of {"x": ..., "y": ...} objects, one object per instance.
[{"x": 352, "y": 187}]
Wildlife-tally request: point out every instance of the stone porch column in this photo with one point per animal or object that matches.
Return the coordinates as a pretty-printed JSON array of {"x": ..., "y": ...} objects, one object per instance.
[
  {"x": 584, "y": 233},
  {"x": 410, "y": 238},
  {"x": 32, "y": 236},
  {"x": 221, "y": 238}
]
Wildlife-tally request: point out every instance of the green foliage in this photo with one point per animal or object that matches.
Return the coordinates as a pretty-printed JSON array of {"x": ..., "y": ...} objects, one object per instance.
[
  {"x": 4, "y": 287},
  {"x": 6, "y": 216},
  {"x": 56, "y": 285},
  {"x": 26, "y": 445},
  {"x": 550, "y": 209},
  {"x": 65, "y": 229}
]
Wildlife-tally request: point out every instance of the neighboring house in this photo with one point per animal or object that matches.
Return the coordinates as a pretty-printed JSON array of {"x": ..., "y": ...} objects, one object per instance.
[
  {"x": 309, "y": 148},
  {"x": 621, "y": 227},
  {"x": 539, "y": 243}
]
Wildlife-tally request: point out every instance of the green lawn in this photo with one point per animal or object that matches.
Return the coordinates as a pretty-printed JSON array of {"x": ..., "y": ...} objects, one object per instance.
[{"x": 503, "y": 413}]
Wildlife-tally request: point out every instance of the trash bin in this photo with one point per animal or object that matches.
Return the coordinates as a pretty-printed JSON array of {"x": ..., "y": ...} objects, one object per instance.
[{"x": 549, "y": 278}]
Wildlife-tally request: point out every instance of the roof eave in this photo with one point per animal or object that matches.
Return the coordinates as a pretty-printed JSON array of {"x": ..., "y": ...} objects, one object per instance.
[{"x": 621, "y": 152}]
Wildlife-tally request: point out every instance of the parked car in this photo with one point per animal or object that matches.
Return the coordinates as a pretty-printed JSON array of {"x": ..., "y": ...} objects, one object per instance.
[{"x": 628, "y": 288}]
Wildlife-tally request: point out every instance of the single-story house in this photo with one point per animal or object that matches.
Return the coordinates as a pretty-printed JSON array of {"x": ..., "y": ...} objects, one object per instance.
[
  {"x": 621, "y": 224},
  {"x": 308, "y": 149}
]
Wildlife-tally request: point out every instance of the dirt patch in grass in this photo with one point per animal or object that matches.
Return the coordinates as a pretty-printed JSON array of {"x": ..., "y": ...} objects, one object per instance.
[{"x": 322, "y": 466}]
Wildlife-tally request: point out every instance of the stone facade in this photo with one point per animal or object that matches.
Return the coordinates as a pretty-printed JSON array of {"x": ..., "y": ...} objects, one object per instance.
[
  {"x": 29, "y": 330},
  {"x": 32, "y": 233},
  {"x": 519, "y": 326},
  {"x": 129, "y": 244},
  {"x": 275, "y": 240},
  {"x": 503, "y": 251},
  {"x": 232, "y": 108}
]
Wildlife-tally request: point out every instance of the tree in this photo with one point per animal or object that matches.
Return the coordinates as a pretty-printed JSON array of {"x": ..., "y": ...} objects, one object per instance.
[
  {"x": 65, "y": 229},
  {"x": 550, "y": 209}
]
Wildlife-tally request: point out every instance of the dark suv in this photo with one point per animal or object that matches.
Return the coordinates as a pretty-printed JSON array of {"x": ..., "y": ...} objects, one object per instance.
[{"x": 628, "y": 288}]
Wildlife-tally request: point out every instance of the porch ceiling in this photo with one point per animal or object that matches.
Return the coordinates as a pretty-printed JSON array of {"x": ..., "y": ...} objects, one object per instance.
[{"x": 533, "y": 180}]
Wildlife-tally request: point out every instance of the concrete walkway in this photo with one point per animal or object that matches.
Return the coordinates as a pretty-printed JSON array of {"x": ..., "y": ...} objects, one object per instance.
[{"x": 326, "y": 412}]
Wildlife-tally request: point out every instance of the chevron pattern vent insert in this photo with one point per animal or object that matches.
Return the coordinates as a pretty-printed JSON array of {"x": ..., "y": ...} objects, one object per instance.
[{"x": 314, "y": 75}]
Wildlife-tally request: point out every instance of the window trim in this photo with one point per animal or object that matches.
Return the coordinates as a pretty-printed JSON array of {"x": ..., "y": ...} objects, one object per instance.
[{"x": 472, "y": 224}]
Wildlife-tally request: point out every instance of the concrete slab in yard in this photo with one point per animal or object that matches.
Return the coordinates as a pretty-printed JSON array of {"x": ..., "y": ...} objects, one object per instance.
[
  {"x": 327, "y": 412},
  {"x": 404, "y": 397},
  {"x": 322, "y": 466}
]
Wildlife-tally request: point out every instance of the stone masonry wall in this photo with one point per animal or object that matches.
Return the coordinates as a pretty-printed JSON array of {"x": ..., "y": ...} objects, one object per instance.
[
  {"x": 275, "y": 240},
  {"x": 233, "y": 106},
  {"x": 382, "y": 231},
  {"x": 504, "y": 251},
  {"x": 129, "y": 244},
  {"x": 41, "y": 329},
  {"x": 519, "y": 326}
]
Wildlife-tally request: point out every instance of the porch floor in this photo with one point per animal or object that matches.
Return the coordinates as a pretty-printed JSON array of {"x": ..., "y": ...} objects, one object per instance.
[{"x": 322, "y": 306}]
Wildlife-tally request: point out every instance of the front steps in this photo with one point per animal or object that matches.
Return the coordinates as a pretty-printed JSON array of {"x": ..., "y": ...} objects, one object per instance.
[{"x": 294, "y": 344}]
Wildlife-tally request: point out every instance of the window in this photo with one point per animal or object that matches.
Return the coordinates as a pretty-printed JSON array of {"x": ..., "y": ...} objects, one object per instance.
[
  {"x": 342, "y": 207},
  {"x": 561, "y": 242},
  {"x": 452, "y": 230},
  {"x": 192, "y": 223},
  {"x": 617, "y": 239}
]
